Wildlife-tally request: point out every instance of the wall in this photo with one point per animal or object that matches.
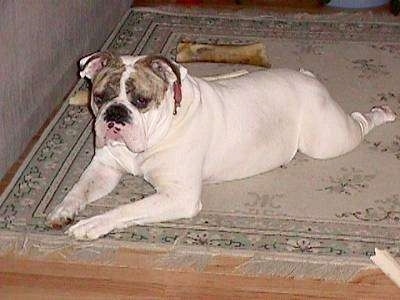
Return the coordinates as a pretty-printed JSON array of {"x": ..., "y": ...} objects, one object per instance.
[{"x": 40, "y": 43}]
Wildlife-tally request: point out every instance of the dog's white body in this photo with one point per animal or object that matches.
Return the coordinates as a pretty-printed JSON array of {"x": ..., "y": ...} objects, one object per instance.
[{"x": 224, "y": 130}]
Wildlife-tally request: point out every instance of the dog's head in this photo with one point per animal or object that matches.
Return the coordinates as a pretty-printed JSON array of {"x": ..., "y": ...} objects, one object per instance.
[{"x": 133, "y": 98}]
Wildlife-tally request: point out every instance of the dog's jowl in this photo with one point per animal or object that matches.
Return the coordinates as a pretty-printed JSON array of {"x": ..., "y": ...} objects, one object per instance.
[{"x": 178, "y": 131}]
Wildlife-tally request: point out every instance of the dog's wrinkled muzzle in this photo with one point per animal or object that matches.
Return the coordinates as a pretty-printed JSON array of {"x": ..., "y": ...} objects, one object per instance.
[{"x": 116, "y": 125}]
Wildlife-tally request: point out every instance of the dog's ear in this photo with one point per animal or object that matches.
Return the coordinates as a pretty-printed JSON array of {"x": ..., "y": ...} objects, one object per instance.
[
  {"x": 170, "y": 72},
  {"x": 92, "y": 64},
  {"x": 167, "y": 69}
]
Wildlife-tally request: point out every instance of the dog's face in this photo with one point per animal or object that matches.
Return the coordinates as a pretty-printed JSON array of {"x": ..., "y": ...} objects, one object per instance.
[{"x": 133, "y": 98}]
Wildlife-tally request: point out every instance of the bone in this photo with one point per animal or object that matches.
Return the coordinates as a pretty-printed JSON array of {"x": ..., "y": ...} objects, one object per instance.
[
  {"x": 226, "y": 76},
  {"x": 387, "y": 264},
  {"x": 80, "y": 98},
  {"x": 253, "y": 54}
]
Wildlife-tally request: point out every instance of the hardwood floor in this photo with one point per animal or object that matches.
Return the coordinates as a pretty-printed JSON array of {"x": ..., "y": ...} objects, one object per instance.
[{"x": 24, "y": 278}]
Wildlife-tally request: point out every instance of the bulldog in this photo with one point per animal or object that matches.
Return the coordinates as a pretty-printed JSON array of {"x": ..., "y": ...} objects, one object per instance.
[{"x": 177, "y": 131}]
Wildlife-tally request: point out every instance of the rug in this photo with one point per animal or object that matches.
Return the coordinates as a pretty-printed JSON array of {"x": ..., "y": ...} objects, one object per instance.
[{"x": 309, "y": 212}]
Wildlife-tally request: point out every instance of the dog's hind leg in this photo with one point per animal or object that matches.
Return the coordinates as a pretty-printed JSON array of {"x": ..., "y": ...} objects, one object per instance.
[{"x": 327, "y": 131}]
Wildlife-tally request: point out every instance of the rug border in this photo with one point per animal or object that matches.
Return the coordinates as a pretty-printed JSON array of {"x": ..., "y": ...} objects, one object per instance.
[
  {"x": 249, "y": 14},
  {"x": 40, "y": 246}
]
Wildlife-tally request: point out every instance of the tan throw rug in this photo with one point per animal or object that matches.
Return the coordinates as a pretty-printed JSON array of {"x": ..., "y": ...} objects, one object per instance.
[{"x": 310, "y": 218}]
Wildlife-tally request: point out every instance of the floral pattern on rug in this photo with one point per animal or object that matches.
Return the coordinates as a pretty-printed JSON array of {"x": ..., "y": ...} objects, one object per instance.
[
  {"x": 386, "y": 209},
  {"x": 390, "y": 147},
  {"x": 262, "y": 204},
  {"x": 350, "y": 182},
  {"x": 344, "y": 207},
  {"x": 369, "y": 68},
  {"x": 393, "y": 49}
]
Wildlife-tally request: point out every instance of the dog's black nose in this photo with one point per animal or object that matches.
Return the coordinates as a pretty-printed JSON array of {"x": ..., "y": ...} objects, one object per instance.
[{"x": 117, "y": 113}]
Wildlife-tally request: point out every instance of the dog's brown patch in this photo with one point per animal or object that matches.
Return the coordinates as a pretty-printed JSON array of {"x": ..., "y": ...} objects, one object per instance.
[
  {"x": 145, "y": 85},
  {"x": 106, "y": 84},
  {"x": 150, "y": 83}
]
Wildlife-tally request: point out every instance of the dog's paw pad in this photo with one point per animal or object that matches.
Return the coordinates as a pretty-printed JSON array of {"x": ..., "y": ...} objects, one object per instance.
[
  {"x": 59, "y": 223},
  {"x": 61, "y": 216}
]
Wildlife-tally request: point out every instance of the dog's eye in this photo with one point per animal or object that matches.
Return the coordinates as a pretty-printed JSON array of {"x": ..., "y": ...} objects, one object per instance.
[{"x": 140, "y": 102}]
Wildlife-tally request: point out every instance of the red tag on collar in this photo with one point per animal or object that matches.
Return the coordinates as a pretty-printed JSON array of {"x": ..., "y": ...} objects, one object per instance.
[{"x": 177, "y": 95}]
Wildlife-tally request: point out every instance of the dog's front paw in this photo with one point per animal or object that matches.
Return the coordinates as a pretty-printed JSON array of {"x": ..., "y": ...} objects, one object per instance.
[
  {"x": 91, "y": 228},
  {"x": 62, "y": 215}
]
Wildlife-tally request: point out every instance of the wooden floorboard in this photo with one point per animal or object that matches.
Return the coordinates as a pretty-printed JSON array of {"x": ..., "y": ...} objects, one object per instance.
[{"x": 25, "y": 278}]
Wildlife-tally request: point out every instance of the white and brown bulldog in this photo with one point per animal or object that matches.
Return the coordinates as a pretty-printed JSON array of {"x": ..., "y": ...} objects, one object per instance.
[{"x": 178, "y": 131}]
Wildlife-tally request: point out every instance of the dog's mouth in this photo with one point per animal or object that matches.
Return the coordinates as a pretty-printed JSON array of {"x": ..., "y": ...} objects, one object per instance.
[{"x": 114, "y": 133}]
